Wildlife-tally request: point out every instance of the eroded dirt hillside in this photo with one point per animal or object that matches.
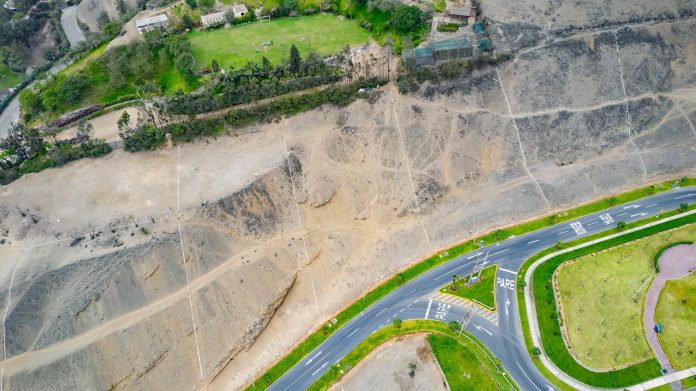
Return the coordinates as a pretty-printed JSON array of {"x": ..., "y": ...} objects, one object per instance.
[{"x": 258, "y": 238}]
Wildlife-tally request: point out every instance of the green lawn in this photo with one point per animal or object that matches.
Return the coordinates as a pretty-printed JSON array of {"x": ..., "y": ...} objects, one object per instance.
[
  {"x": 602, "y": 296},
  {"x": 482, "y": 292},
  {"x": 8, "y": 78},
  {"x": 462, "y": 369},
  {"x": 676, "y": 310},
  {"x": 327, "y": 34}
]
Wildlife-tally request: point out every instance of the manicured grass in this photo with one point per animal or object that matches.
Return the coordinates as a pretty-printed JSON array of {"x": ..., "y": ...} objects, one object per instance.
[
  {"x": 317, "y": 337},
  {"x": 676, "y": 311},
  {"x": 479, "y": 360},
  {"x": 548, "y": 317},
  {"x": 482, "y": 292},
  {"x": 462, "y": 369},
  {"x": 8, "y": 78},
  {"x": 327, "y": 34}
]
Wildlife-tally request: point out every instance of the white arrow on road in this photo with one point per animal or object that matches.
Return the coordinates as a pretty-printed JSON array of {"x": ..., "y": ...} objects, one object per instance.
[
  {"x": 632, "y": 206},
  {"x": 320, "y": 368},
  {"x": 550, "y": 388},
  {"x": 639, "y": 214},
  {"x": 481, "y": 328},
  {"x": 507, "y": 304},
  {"x": 312, "y": 359}
]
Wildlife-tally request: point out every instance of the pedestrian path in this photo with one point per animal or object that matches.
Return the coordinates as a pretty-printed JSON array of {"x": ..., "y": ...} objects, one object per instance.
[{"x": 490, "y": 316}]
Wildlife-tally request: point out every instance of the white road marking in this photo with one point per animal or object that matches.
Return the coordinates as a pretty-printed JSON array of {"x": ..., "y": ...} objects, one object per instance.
[
  {"x": 628, "y": 114},
  {"x": 507, "y": 304},
  {"x": 500, "y": 252},
  {"x": 320, "y": 368},
  {"x": 606, "y": 218},
  {"x": 351, "y": 334},
  {"x": 533, "y": 241},
  {"x": 312, "y": 359},
  {"x": 188, "y": 289},
  {"x": 561, "y": 233},
  {"x": 519, "y": 140},
  {"x": 450, "y": 272},
  {"x": 639, "y": 214},
  {"x": 481, "y": 328},
  {"x": 592, "y": 223},
  {"x": 506, "y": 270},
  {"x": 380, "y": 312},
  {"x": 650, "y": 206},
  {"x": 634, "y": 206},
  {"x": 409, "y": 305},
  {"x": 427, "y": 312},
  {"x": 525, "y": 375},
  {"x": 684, "y": 196},
  {"x": 622, "y": 214},
  {"x": 402, "y": 310},
  {"x": 474, "y": 256},
  {"x": 412, "y": 290}
]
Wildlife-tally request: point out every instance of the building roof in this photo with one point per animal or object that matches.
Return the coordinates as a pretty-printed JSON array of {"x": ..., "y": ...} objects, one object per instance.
[
  {"x": 212, "y": 17},
  {"x": 151, "y": 20},
  {"x": 450, "y": 45},
  {"x": 422, "y": 52},
  {"x": 239, "y": 8}
]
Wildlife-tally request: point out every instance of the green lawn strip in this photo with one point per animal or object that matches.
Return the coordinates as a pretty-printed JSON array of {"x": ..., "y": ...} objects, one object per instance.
[
  {"x": 656, "y": 257},
  {"x": 548, "y": 317},
  {"x": 676, "y": 311},
  {"x": 324, "y": 33},
  {"x": 482, "y": 292},
  {"x": 8, "y": 78},
  {"x": 689, "y": 382},
  {"x": 460, "y": 365},
  {"x": 319, "y": 336},
  {"x": 475, "y": 350}
]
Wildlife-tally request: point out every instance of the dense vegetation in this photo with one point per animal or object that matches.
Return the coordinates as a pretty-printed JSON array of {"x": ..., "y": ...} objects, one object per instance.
[
  {"x": 257, "y": 81},
  {"x": 25, "y": 151},
  {"x": 149, "y": 132}
]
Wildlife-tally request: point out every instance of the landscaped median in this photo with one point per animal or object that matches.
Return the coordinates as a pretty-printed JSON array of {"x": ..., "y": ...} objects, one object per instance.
[
  {"x": 324, "y": 332},
  {"x": 451, "y": 366},
  {"x": 545, "y": 329}
]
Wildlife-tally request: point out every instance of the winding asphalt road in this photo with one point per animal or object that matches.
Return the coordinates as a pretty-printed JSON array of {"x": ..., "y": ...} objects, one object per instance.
[{"x": 505, "y": 340}]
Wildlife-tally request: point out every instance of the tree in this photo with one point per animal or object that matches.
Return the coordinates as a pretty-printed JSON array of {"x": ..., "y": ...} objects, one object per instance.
[
  {"x": 188, "y": 23},
  {"x": 71, "y": 88},
  {"x": 406, "y": 19},
  {"x": 295, "y": 61},
  {"x": 381, "y": 5},
  {"x": 215, "y": 66},
  {"x": 620, "y": 226},
  {"x": 30, "y": 101},
  {"x": 536, "y": 352},
  {"x": 85, "y": 131},
  {"x": 266, "y": 64},
  {"x": 455, "y": 326},
  {"x": 184, "y": 62},
  {"x": 123, "y": 123},
  {"x": 559, "y": 245},
  {"x": 454, "y": 278},
  {"x": 266, "y": 376},
  {"x": 121, "y": 7},
  {"x": 397, "y": 322},
  {"x": 612, "y": 200},
  {"x": 103, "y": 19},
  {"x": 522, "y": 284},
  {"x": 192, "y": 3},
  {"x": 683, "y": 207},
  {"x": 22, "y": 141},
  {"x": 399, "y": 278}
]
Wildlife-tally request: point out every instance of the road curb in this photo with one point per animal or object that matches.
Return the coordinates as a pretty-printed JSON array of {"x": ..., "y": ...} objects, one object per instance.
[{"x": 534, "y": 326}]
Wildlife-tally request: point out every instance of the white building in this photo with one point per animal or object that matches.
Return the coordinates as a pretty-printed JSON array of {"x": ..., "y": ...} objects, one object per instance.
[
  {"x": 211, "y": 20},
  {"x": 239, "y": 10},
  {"x": 147, "y": 24}
]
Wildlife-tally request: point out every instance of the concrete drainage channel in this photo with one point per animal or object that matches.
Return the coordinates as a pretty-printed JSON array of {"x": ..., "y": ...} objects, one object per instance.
[{"x": 534, "y": 326}]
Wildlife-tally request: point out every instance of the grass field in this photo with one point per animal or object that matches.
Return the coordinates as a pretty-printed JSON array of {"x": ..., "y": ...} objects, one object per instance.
[
  {"x": 602, "y": 297},
  {"x": 8, "y": 78},
  {"x": 324, "y": 33},
  {"x": 462, "y": 369},
  {"x": 482, "y": 292},
  {"x": 676, "y": 310}
]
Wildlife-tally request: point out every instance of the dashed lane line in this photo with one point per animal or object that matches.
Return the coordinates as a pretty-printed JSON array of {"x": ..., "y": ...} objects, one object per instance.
[
  {"x": 354, "y": 331},
  {"x": 527, "y": 376},
  {"x": 380, "y": 312},
  {"x": 427, "y": 311},
  {"x": 561, "y": 233},
  {"x": 533, "y": 241},
  {"x": 500, "y": 252}
]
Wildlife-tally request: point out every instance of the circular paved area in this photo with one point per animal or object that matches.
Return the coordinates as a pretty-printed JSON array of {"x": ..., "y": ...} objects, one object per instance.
[{"x": 676, "y": 262}]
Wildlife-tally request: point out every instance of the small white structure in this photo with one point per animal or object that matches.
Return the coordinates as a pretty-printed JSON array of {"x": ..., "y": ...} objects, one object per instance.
[
  {"x": 10, "y": 5},
  {"x": 147, "y": 24},
  {"x": 211, "y": 20},
  {"x": 240, "y": 10}
]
